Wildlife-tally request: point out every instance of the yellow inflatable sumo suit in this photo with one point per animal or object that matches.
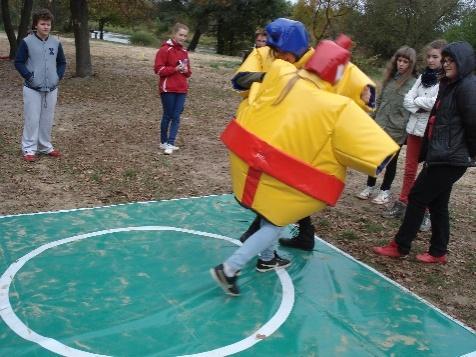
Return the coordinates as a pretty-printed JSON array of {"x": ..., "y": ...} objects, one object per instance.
[
  {"x": 291, "y": 145},
  {"x": 351, "y": 83}
]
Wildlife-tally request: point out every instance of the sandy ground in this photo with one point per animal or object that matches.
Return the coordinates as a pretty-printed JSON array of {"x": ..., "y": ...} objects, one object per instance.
[{"x": 107, "y": 128}]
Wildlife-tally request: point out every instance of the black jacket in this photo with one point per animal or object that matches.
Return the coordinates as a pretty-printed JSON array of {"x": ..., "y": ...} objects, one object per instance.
[{"x": 453, "y": 134}]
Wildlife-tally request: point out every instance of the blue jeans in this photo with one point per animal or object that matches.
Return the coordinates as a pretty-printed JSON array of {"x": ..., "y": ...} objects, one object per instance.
[
  {"x": 172, "y": 104},
  {"x": 262, "y": 242}
]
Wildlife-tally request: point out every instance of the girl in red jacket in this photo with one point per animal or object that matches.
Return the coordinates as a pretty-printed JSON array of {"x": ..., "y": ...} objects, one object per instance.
[{"x": 173, "y": 67}]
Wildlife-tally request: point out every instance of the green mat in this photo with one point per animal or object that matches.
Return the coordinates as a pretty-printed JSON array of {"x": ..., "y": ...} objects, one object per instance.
[{"x": 133, "y": 280}]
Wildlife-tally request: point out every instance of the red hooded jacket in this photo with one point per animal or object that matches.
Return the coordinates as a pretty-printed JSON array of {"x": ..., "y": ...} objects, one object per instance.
[{"x": 170, "y": 54}]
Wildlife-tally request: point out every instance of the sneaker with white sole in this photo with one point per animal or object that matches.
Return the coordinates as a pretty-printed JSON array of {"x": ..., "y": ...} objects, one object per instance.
[
  {"x": 366, "y": 193},
  {"x": 168, "y": 151},
  {"x": 382, "y": 198},
  {"x": 173, "y": 147},
  {"x": 397, "y": 210},
  {"x": 228, "y": 284},
  {"x": 276, "y": 263},
  {"x": 426, "y": 223},
  {"x": 163, "y": 146}
]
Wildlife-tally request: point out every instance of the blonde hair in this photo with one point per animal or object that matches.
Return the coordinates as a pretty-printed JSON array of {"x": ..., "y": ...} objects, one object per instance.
[
  {"x": 178, "y": 26},
  {"x": 391, "y": 68}
]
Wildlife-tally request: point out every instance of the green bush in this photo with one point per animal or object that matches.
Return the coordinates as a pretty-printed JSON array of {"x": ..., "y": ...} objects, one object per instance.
[{"x": 143, "y": 38}]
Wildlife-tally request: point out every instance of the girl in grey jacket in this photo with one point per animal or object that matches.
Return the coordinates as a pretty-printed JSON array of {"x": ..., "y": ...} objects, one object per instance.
[
  {"x": 392, "y": 116},
  {"x": 418, "y": 101}
]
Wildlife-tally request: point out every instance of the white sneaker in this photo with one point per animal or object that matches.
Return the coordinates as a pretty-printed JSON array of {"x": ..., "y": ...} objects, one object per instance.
[
  {"x": 366, "y": 193},
  {"x": 168, "y": 151},
  {"x": 426, "y": 224},
  {"x": 382, "y": 198},
  {"x": 163, "y": 146},
  {"x": 173, "y": 147}
]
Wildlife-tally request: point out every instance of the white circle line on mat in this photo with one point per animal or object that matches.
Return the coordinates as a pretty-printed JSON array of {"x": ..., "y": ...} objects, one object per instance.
[{"x": 12, "y": 320}]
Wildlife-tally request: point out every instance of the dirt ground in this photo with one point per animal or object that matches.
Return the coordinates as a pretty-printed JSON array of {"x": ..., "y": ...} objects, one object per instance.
[{"x": 107, "y": 129}]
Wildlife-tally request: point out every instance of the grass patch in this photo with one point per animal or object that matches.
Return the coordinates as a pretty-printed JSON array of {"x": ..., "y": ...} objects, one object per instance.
[
  {"x": 348, "y": 234},
  {"x": 372, "y": 227},
  {"x": 225, "y": 64},
  {"x": 130, "y": 174}
]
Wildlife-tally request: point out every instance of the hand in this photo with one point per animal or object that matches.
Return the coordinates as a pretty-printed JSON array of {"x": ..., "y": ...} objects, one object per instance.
[{"x": 366, "y": 94}]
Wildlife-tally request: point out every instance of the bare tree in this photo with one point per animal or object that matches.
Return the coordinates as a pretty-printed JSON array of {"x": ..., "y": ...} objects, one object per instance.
[
  {"x": 13, "y": 40},
  {"x": 79, "y": 16}
]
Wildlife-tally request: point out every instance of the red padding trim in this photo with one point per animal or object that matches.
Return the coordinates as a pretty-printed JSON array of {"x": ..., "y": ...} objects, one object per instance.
[
  {"x": 251, "y": 185},
  {"x": 262, "y": 157}
]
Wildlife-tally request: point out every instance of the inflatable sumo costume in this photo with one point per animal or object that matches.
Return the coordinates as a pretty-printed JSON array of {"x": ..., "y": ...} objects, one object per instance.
[
  {"x": 291, "y": 36},
  {"x": 291, "y": 146}
]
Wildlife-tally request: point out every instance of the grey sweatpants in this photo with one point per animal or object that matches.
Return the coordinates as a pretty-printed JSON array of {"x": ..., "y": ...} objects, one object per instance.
[{"x": 38, "y": 112}]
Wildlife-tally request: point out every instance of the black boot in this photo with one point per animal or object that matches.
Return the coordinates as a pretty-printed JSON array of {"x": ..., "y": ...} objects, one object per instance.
[
  {"x": 304, "y": 239},
  {"x": 253, "y": 228}
]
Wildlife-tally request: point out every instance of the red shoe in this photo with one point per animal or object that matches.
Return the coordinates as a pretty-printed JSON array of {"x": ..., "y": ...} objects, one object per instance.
[
  {"x": 390, "y": 250},
  {"x": 430, "y": 259},
  {"x": 30, "y": 157},
  {"x": 54, "y": 153}
]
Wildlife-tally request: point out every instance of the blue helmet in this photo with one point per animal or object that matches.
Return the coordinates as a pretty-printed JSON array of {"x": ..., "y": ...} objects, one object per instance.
[{"x": 288, "y": 36}]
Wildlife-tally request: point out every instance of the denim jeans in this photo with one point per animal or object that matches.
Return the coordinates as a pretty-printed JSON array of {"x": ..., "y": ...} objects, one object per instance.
[
  {"x": 172, "y": 104},
  {"x": 262, "y": 242}
]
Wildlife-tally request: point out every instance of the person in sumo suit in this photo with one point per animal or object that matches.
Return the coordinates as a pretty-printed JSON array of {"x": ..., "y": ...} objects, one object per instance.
[
  {"x": 290, "y": 147},
  {"x": 292, "y": 37}
]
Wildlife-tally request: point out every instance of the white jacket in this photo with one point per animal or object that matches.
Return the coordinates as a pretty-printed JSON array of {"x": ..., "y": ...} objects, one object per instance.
[{"x": 419, "y": 97}]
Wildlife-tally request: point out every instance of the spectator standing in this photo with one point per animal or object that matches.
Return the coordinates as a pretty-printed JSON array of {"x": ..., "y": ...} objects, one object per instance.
[
  {"x": 41, "y": 62},
  {"x": 172, "y": 65},
  {"x": 392, "y": 116},
  {"x": 449, "y": 148},
  {"x": 418, "y": 101}
]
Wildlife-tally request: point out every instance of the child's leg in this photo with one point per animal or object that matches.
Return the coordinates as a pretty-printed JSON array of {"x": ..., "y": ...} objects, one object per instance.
[
  {"x": 31, "y": 114},
  {"x": 167, "y": 108},
  {"x": 175, "y": 116},
  {"x": 262, "y": 242},
  {"x": 46, "y": 121},
  {"x": 390, "y": 172},
  {"x": 411, "y": 165},
  {"x": 371, "y": 181}
]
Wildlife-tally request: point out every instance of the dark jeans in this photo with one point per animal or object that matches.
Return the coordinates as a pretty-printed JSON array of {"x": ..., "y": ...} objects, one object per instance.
[
  {"x": 172, "y": 104},
  {"x": 431, "y": 189},
  {"x": 389, "y": 176}
]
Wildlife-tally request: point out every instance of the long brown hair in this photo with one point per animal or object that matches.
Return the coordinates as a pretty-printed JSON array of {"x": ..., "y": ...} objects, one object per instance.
[{"x": 391, "y": 68}]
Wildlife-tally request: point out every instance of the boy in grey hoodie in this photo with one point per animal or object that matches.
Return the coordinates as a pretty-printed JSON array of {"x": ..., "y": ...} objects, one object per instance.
[{"x": 40, "y": 61}]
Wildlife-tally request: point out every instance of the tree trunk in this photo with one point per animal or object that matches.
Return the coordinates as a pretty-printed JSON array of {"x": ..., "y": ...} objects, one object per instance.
[
  {"x": 79, "y": 15},
  {"x": 25, "y": 20},
  {"x": 101, "y": 24},
  {"x": 195, "y": 39},
  {"x": 7, "y": 24},
  {"x": 220, "y": 38}
]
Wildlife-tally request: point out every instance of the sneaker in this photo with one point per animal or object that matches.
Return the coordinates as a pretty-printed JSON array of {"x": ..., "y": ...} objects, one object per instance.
[
  {"x": 276, "y": 263},
  {"x": 382, "y": 198},
  {"x": 228, "y": 284},
  {"x": 426, "y": 223},
  {"x": 173, "y": 147},
  {"x": 396, "y": 211},
  {"x": 390, "y": 250},
  {"x": 163, "y": 146},
  {"x": 168, "y": 151},
  {"x": 54, "y": 153},
  {"x": 430, "y": 259},
  {"x": 366, "y": 193},
  {"x": 30, "y": 157}
]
